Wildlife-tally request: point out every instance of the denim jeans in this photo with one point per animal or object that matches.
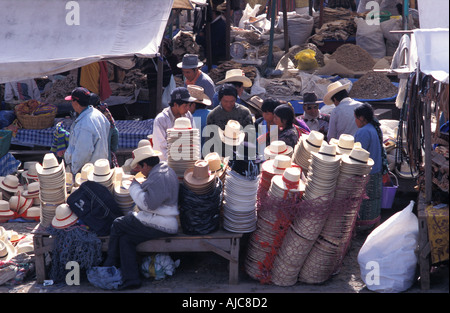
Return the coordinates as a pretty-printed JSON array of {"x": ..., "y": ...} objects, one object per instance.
[{"x": 126, "y": 233}]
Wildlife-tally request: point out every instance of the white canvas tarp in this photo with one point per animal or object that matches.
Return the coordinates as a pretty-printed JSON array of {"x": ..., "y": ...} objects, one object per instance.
[{"x": 47, "y": 37}]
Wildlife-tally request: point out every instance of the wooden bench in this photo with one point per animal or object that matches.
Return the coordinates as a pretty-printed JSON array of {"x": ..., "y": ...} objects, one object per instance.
[{"x": 221, "y": 242}]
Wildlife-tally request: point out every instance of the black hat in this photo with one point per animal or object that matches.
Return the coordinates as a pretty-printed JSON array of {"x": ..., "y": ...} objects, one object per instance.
[
  {"x": 310, "y": 98},
  {"x": 81, "y": 95},
  {"x": 181, "y": 94}
]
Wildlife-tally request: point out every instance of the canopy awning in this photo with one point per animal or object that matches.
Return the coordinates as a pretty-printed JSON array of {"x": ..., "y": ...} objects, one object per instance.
[{"x": 47, "y": 37}]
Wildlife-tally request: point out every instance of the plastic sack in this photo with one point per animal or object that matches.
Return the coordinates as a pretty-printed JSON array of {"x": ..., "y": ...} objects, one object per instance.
[
  {"x": 387, "y": 258},
  {"x": 108, "y": 278},
  {"x": 370, "y": 38},
  {"x": 306, "y": 60},
  {"x": 200, "y": 214},
  {"x": 158, "y": 266}
]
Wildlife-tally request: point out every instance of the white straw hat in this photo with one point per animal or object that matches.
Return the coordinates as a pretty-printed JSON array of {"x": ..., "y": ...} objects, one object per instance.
[
  {"x": 32, "y": 190},
  {"x": 102, "y": 171},
  {"x": 81, "y": 177},
  {"x": 7, "y": 250},
  {"x": 236, "y": 75},
  {"x": 181, "y": 124},
  {"x": 358, "y": 156},
  {"x": 333, "y": 89},
  {"x": 199, "y": 174},
  {"x": 143, "y": 153},
  {"x": 277, "y": 147},
  {"x": 345, "y": 144},
  {"x": 313, "y": 141},
  {"x": 49, "y": 165},
  {"x": 327, "y": 153},
  {"x": 64, "y": 217},
  {"x": 31, "y": 172},
  {"x": 277, "y": 165},
  {"x": 198, "y": 93},
  {"x": 232, "y": 135},
  {"x": 10, "y": 183}
]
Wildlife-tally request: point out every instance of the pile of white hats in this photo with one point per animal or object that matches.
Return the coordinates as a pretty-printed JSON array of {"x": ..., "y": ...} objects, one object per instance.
[
  {"x": 239, "y": 205},
  {"x": 103, "y": 174},
  {"x": 277, "y": 147},
  {"x": 288, "y": 186},
  {"x": 122, "y": 195},
  {"x": 183, "y": 146},
  {"x": 305, "y": 146},
  {"x": 323, "y": 172},
  {"x": 52, "y": 186}
]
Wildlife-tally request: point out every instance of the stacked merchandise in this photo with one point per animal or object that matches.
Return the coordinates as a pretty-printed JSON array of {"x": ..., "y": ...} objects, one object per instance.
[
  {"x": 305, "y": 146},
  {"x": 102, "y": 174}
]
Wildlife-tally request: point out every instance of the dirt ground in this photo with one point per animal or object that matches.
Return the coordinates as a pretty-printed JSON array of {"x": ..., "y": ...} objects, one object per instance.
[{"x": 208, "y": 273}]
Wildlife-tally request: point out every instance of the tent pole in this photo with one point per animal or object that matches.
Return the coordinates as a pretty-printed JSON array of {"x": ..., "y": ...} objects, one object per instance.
[
  {"x": 227, "y": 32},
  {"x": 285, "y": 28}
]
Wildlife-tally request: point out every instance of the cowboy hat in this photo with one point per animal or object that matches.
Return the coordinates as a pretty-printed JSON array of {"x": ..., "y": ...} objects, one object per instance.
[
  {"x": 333, "y": 89},
  {"x": 198, "y": 93},
  {"x": 236, "y": 75},
  {"x": 31, "y": 172},
  {"x": 64, "y": 217},
  {"x": 83, "y": 175},
  {"x": 7, "y": 250},
  {"x": 102, "y": 171},
  {"x": 345, "y": 144},
  {"x": 310, "y": 98},
  {"x": 358, "y": 156},
  {"x": 277, "y": 147},
  {"x": 10, "y": 183},
  {"x": 232, "y": 135},
  {"x": 181, "y": 124},
  {"x": 5, "y": 212},
  {"x": 313, "y": 141},
  {"x": 199, "y": 175},
  {"x": 32, "y": 190},
  {"x": 190, "y": 61},
  {"x": 277, "y": 165},
  {"x": 143, "y": 153},
  {"x": 49, "y": 165},
  {"x": 255, "y": 102},
  {"x": 143, "y": 142},
  {"x": 327, "y": 153}
]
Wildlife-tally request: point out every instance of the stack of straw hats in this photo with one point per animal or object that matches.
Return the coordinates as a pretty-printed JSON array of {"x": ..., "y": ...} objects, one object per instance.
[
  {"x": 289, "y": 185},
  {"x": 122, "y": 195},
  {"x": 64, "y": 217},
  {"x": 52, "y": 186},
  {"x": 103, "y": 174},
  {"x": 199, "y": 179},
  {"x": 239, "y": 205},
  {"x": 270, "y": 168},
  {"x": 305, "y": 146},
  {"x": 323, "y": 172},
  {"x": 277, "y": 147},
  {"x": 183, "y": 144}
]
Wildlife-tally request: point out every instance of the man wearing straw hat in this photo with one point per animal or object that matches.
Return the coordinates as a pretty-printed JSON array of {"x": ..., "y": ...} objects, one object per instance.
[
  {"x": 237, "y": 78},
  {"x": 157, "y": 201},
  {"x": 89, "y": 133},
  {"x": 342, "y": 119}
]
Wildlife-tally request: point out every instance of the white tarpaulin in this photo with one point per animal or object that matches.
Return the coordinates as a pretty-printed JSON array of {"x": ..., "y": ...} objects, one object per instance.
[{"x": 47, "y": 37}]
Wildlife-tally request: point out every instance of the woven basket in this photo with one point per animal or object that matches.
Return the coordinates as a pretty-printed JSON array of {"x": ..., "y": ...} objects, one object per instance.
[{"x": 36, "y": 121}]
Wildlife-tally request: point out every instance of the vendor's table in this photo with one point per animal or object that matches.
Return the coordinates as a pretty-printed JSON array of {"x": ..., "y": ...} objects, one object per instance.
[
  {"x": 221, "y": 242},
  {"x": 130, "y": 133}
]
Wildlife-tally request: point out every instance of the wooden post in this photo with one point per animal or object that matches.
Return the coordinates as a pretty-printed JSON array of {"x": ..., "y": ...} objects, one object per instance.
[
  {"x": 227, "y": 32},
  {"x": 285, "y": 28}
]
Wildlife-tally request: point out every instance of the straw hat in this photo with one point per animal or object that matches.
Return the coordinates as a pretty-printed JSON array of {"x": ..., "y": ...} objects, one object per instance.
[
  {"x": 33, "y": 212},
  {"x": 143, "y": 153},
  {"x": 277, "y": 147},
  {"x": 143, "y": 142},
  {"x": 333, "y": 89},
  {"x": 327, "y": 153},
  {"x": 198, "y": 93},
  {"x": 102, "y": 171},
  {"x": 236, "y": 75},
  {"x": 49, "y": 165},
  {"x": 405, "y": 171},
  {"x": 181, "y": 124},
  {"x": 10, "y": 183},
  {"x": 255, "y": 102},
  {"x": 31, "y": 172},
  {"x": 199, "y": 175},
  {"x": 358, "y": 156},
  {"x": 86, "y": 170},
  {"x": 232, "y": 135},
  {"x": 7, "y": 250},
  {"x": 345, "y": 144},
  {"x": 290, "y": 180},
  {"x": 19, "y": 204},
  {"x": 126, "y": 167},
  {"x": 277, "y": 165},
  {"x": 5, "y": 211},
  {"x": 313, "y": 141},
  {"x": 32, "y": 191},
  {"x": 64, "y": 217}
]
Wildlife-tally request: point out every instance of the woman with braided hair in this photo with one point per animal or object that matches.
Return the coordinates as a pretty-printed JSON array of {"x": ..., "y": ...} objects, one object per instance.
[{"x": 371, "y": 138}]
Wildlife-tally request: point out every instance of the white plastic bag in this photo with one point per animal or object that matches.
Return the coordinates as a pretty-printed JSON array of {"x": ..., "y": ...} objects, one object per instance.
[
  {"x": 370, "y": 38},
  {"x": 387, "y": 258}
]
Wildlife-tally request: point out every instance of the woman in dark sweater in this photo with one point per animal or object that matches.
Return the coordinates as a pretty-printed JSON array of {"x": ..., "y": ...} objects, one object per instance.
[{"x": 290, "y": 129}]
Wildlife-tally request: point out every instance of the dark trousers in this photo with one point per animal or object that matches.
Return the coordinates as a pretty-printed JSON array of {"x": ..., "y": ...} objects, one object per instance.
[{"x": 126, "y": 233}]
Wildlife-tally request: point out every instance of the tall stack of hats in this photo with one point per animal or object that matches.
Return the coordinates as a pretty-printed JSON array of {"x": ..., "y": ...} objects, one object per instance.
[
  {"x": 9, "y": 186},
  {"x": 330, "y": 247},
  {"x": 52, "y": 186},
  {"x": 183, "y": 143},
  {"x": 288, "y": 186},
  {"x": 305, "y": 146},
  {"x": 239, "y": 204},
  {"x": 103, "y": 174},
  {"x": 272, "y": 167},
  {"x": 199, "y": 179},
  {"x": 323, "y": 172},
  {"x": 277, "y": 147}
]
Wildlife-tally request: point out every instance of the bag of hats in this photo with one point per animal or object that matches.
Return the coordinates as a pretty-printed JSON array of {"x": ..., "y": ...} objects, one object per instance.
[{"x": 200, "y": 198}]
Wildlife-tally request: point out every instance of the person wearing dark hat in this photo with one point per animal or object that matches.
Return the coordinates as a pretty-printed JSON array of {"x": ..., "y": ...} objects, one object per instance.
[
  {"x": 312, "y": 116},
  {"x": 193, "y": 75},
  {"x": 89, "y": 133},
  {"x": 180, "y": 101}
]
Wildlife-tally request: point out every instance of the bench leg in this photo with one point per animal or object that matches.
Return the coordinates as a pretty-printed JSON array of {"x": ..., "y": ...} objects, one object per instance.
[
  {"x": 39, "y": 260},
  {"x": 234, "y": 262}
]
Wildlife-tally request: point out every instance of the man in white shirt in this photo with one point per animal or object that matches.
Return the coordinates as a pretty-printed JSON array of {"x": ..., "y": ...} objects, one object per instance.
[
  {"x": 342, "y": 118},
  {"x": 180, "y": 100},
  {"x": 23, "y": 90}
]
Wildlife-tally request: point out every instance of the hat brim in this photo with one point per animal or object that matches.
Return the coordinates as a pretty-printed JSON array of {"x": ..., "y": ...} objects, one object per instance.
[
  {"x": 288, "y": 151},
  {"x": 143, "y": 157},
  {"x": 247, "y": 83},
  {"x": 100, "y": 179},
  {"x": 191, "y": 180},
  {"x": 6, "y": 188},
  {"x": 10, "y": 249},
  {"x": 328, "y": 95},
  {"x": 199, "y": 64},
  {"x": 231, "y": 141},
  {"x": 268, "y": 167},
  {"x": 42, "y": 171},
  {"x": 346, "y": 159},
  {"x": 206, "y": 102}
]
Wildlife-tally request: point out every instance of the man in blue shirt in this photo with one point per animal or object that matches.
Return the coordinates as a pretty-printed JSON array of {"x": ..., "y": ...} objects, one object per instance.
[{"x": 89, "y": 133}]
